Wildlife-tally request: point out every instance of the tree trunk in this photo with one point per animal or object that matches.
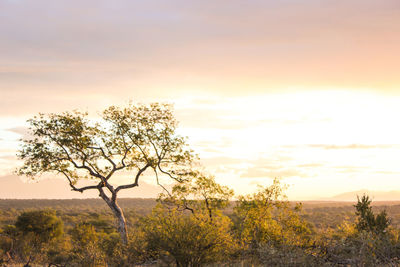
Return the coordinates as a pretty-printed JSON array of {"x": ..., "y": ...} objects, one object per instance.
[
  {"x": 122, "y": 229},
  {"x": 118, "y": 213}
]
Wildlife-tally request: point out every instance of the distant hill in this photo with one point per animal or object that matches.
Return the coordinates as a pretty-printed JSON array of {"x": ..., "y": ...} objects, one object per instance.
[{"x": 375, "y": 195}]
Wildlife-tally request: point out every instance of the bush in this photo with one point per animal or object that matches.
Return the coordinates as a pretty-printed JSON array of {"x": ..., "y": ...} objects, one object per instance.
[
  {"x": 44, "y": 225},
  {"x": 36, "y": 229},
  {"x": 368, "y": 242},
  {"x": 85, "y": 241},
  {"x": 188, "y": 224},
  {"x": 267, "y": 219},
  {"x": 191, "y": 240}
]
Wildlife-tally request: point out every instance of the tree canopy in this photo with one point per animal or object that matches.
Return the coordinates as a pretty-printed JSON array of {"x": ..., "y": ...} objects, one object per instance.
[{"x": 136, "y": 138}]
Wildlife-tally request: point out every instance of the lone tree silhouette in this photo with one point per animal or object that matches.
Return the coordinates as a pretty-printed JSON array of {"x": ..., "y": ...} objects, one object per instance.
[{"x": 137, "y": 138}]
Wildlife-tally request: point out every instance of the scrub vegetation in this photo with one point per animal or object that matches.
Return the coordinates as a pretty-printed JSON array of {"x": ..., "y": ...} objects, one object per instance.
[
  {"x": 261, "y": 229},
  {"x": 198, "y": 222}
]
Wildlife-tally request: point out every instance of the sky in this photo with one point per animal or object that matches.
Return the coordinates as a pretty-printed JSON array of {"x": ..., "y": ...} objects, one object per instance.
[{"x": 307, "y": 91}]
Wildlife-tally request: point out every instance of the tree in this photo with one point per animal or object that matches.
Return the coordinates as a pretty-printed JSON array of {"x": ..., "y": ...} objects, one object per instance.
[
  {"x": 137, "y": 138},
  {"x": 188, "y": 223},
  {"x": 367, "y": 220},
  {"x": 199, "y": 194}
]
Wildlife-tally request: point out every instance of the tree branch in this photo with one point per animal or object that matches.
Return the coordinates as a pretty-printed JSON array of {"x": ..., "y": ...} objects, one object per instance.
[
  {"x": 167, "y": 173},
  {"x": 74, "y": 188},
  {"x": 123, "y": 165},
  {"x": 158, "y": 183},
  {"x": 92, "y": 172},
  {"x": 104, "y": 155},
  {"x": 136, "y": 183}
]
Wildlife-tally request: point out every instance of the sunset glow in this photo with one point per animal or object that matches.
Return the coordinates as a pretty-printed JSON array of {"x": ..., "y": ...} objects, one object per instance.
[{"x": 301, "y": 91}]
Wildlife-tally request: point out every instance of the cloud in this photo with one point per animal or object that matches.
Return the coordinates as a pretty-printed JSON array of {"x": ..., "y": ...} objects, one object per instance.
[
  {"x": 257, "y": 172},
  {"x": 350, "y": 169},
  {"x": 354, "y": 146},
  {"x": 8, "y": 157},
  {"x": 153, "y": 49},
  {"x": 212, "y": 119},
  {"x": 310, "y": 165},
  {"x": 216, "y": 161},
  {"x": 281, "y": 167},
  {"x": 387, "y": 172},
  {"x": 350, "y": 146},
  {"x": 21, "y": 130}
]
